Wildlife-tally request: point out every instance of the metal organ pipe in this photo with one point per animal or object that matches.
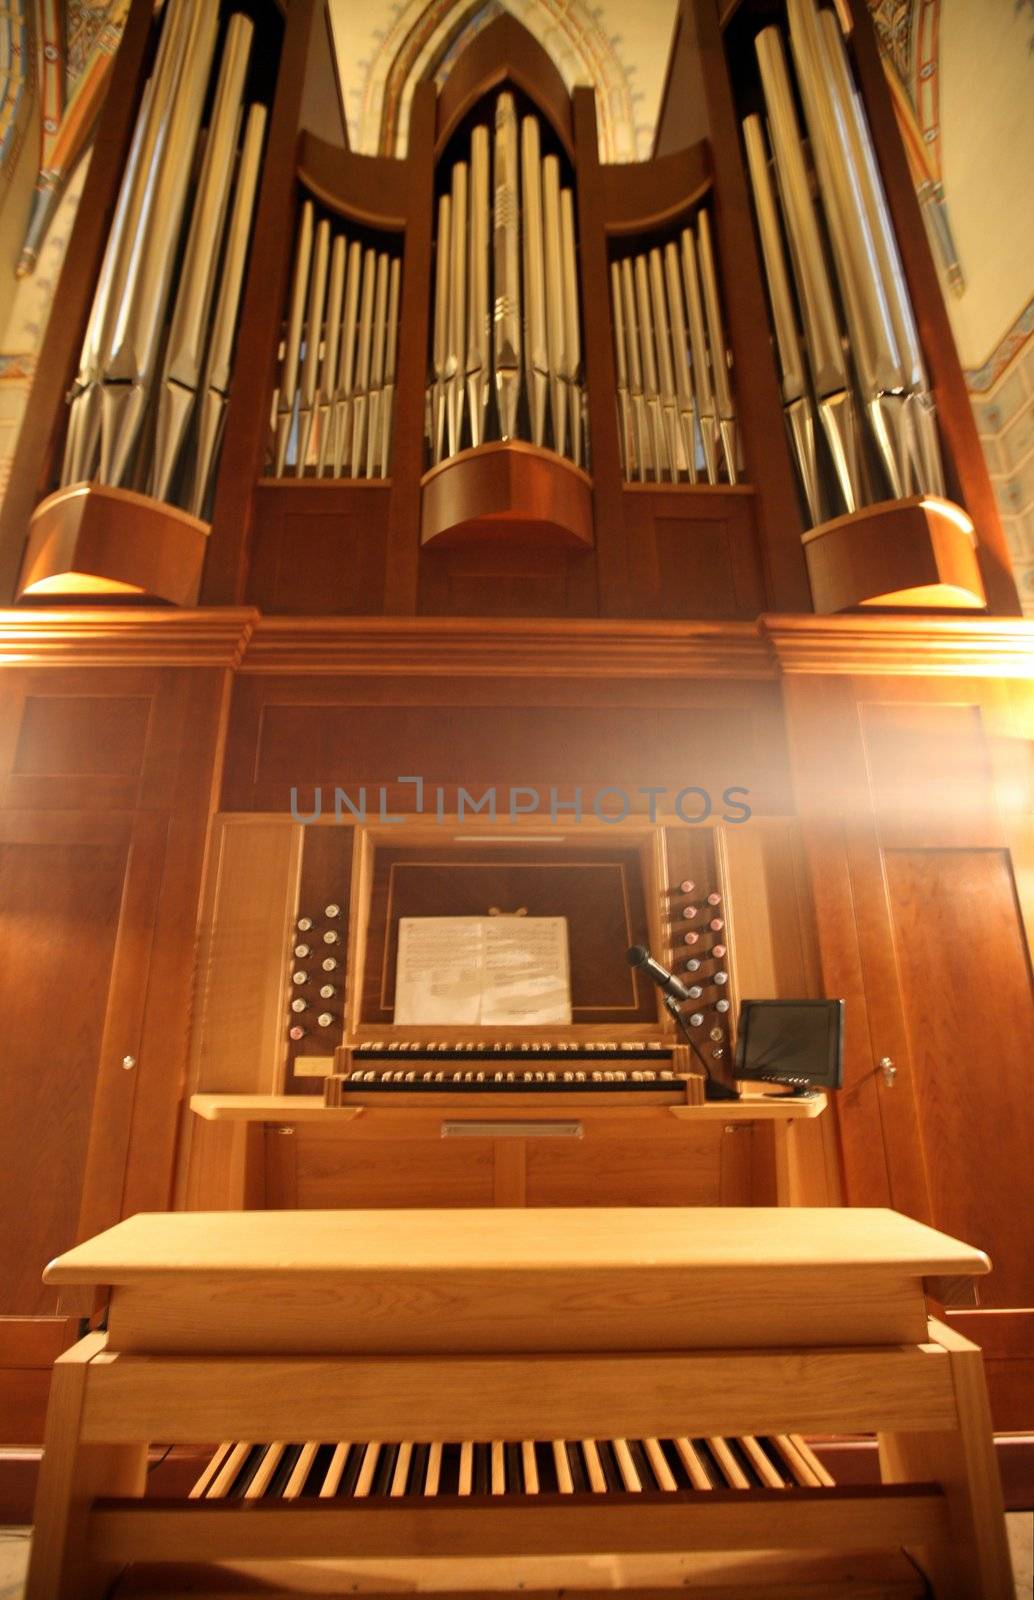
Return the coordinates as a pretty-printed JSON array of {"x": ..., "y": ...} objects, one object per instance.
[
  {"x": 157, "y": 353},
  {"x": 506, "y": 319},
  {"x": 338, "y": 358},
  {"x": 672, "y": 360},
  {"x": 883, "y": 383}
]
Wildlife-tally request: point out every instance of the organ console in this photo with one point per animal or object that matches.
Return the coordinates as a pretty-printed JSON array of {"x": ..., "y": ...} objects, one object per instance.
[{"x": 500, "y": 1406}]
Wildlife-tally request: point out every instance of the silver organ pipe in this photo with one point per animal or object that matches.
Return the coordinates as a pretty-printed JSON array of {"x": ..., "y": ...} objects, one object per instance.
[
  {"x": 329, "y": 357},
  {"x": 157, "y": 350},
  {"x": 625, "y": 442},
  {"x": 506, "y": 266},
  {"x": 630, "y": 321},
  {"x": 797, "y": 407},
  {"x": 506, "y": 348},
  {"x": 457, "y": 337},
  {"x": 184, "y": 352},
  {"x": 313, "y": 335},
  {"x": 341, "y": 445},
  {"x": 336, "y": 383},
  {"x": 536, "y": 360},
  {"x": 441, "y": 326},
  {"x": 674, "y": 388},
  {"x": 477, "y": 300},
  {"x": 215, "y": 386},
  {"x": 648, "y": 352},
  {"x": 380, "y": 325},
  {"x": 702, "y": 388},
  {"x": 361, "y": 398},
  {"x": 867, "y": 375},
  {"x": 391, "y": 341},
  {"x": 288, "y": 385},
  {"x": 680, "y": 349},
  {"x": 719, "y": 350},
  {"x": 823, "y": 342}
]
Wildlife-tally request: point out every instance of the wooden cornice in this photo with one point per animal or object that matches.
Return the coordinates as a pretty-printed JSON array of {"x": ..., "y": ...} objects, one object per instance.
[
  {"x": 507, "y": 647},
  {"x": 901, "y": 646},
  {"x": 241, "y": 639},
  {"x": 114, "y": 636}
]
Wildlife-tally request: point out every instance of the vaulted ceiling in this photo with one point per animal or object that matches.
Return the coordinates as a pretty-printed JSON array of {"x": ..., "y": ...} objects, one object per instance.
[{"x": 619, "y": 47}]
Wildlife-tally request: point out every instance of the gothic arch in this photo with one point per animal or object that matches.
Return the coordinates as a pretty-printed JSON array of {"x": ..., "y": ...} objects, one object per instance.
[{"x": 423, "y": 40}]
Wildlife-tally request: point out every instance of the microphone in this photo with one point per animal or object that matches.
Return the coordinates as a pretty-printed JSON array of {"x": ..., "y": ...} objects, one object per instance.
[{"x": 667, "y": 983}]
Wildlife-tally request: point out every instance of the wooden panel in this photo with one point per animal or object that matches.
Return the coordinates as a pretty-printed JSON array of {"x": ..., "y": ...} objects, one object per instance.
[
  {"x": 509, "y": 578},
  {"x": 929, "y": 771},
  {"x": 328, "y": 1171},
  {"x": 965, "y": 983},
  {"x": 82, "y": 736},
  {"x": 28, "y": 1349},
  {"x": 696, "y": 550},
  {"x": 296, "y": 734},
  {"x": 77, "y": 900},
  {"x": 646, "y": 1166},
  {"x": 319, "y": 547},
  {"x": 240, "y": 1031}
]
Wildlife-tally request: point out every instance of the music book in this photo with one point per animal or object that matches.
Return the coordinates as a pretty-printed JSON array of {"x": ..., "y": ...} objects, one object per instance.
[{"x": 486, "y": 971}]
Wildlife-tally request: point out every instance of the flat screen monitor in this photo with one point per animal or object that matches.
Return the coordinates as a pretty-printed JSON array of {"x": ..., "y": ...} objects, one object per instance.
[{"x": 796, "y": 1042}]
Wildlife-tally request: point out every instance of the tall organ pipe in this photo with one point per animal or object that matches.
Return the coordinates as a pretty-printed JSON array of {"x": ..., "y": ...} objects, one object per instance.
[
  {"x": 293, "y": 342},
  {"x": 456, "y": 347},
  {"x": 702, "y": 389},
  {"x": 443, "y": 250},
  {"x": 536, "y": 359},
  {"x": 506, "y": 262},
  {"x": 135, "y": 345},
  {"x": 797, "y": 409},
  {"x": 821, "y": 330},
  {"x": 215, "y": 387},
  {"x": 477, "y": 355},
  {"x": 719, "y": 356},
  {"x": 184, "y": 352}
]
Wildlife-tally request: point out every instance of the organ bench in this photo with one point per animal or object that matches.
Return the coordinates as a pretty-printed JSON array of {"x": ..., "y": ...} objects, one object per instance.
[{"x": 714, "y": 1327}]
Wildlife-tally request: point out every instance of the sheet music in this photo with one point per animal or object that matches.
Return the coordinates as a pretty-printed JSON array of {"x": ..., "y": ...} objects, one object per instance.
[{"x": 487, "y": 971}]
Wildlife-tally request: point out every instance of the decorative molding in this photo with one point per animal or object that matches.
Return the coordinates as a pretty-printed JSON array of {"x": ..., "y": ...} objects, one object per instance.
[
  {"x": 509, "y": 648},
  {"x": 901, "y": 647},
  {"x": 244, "y": 641},
  {"x": 115, "y": 636}
]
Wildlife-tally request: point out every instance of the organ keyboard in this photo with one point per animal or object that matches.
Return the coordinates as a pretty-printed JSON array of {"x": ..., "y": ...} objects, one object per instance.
[
  {"x": 526, "y": 1467},
  {"x": 514, "y": 1395},
  {"x": 650, "y": 1072}
]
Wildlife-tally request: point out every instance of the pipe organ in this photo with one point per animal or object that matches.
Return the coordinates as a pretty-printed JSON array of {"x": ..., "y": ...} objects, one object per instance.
[
  {"x": 610, "y": 541},
  {"x": 506, "y": 336},
  {"x": 675, "y": 403},
  {"x": 767, "y": 388},
  {"x": 867, "y": 385},
  {"x": 157, "y": 358},
  {"x": 334, "y": 402}
]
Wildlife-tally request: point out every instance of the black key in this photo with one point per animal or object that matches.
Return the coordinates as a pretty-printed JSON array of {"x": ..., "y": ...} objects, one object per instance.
[
  {"x": 514, "y": 1469},
  {"x": 250, "y": 1465},
  {"x": 418, "y": 1469},
  {"x": 449, "y": 1483},
  {"x": 546, "y": 1466},
  {"x": 481, "y": 1481},
  {"x": 709, "y": 1464},
  {"x": 353, "y": 1467},
  {"x": 284, "y": 1467},
  {"x": 642, "y": 1464},
  {"x": 385, "y": 1469},
  {"x": 776, "y": 1457},
  {"x": 611, "y": 1470},
  {"x": 576, "y": 1462},
  {"x": 314, "y": 1478},
  {"x": 745, "y": 1464}
]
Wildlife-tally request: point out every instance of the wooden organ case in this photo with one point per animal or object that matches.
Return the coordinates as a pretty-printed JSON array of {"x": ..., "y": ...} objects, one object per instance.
[{"x": 695, "y": 519}]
